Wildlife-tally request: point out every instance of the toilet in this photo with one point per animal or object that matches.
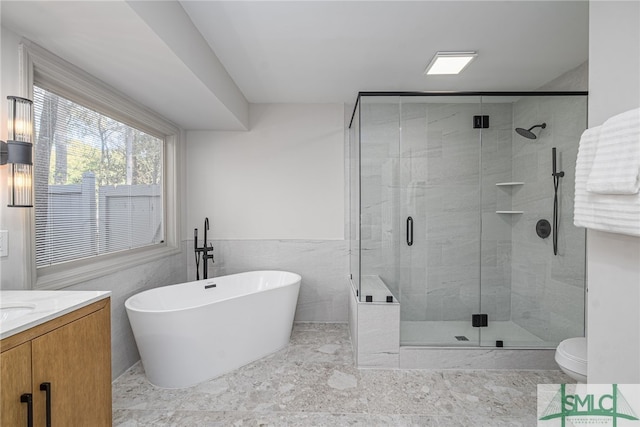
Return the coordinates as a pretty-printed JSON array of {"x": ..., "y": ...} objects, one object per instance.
[{"x": 571, "y": 356}]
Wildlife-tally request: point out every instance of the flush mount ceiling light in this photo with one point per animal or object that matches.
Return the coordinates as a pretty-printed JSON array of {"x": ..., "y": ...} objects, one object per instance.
[{"x": 449, "y": 62}]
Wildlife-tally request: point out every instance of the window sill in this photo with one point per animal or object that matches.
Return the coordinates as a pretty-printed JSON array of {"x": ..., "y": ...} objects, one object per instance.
[{"x": 59, "y": 277}]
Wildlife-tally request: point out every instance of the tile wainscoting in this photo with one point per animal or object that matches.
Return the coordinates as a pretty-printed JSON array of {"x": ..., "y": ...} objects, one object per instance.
[
  {"x": 123, "y": 284},
  {"x": 323, "y": 265}
]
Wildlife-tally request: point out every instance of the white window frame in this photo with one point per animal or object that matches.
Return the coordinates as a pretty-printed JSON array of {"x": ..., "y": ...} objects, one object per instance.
[{"x": 78, "y": 86}]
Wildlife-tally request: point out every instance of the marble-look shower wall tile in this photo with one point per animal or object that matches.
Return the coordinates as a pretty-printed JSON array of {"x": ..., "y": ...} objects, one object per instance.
[
  {"x": 460, "y": 198},
  {"x": 447, "y": 225},
  {"x": 378, "y": 335},
  {"x": 497, "y": 226},
  {"x": 323, "y": 265},
  {"x": 452, "y": 291},
  {"x": 435, "y": 358},
  {"x": 379, "y": 191},
  {"x": 454, "y": 251},
  {"x": 353, "y": 320},
  {"x": 475, "y": 358},
  {"x": 414, "y": 305},
  {"x": 495, "y": 280},
  {"x": 500, "y": 115},
  {"x": 489, "y": 255},
  {"x": 413, "y": 126},
  {"x": 548, "y": 290},
  {"x": 496, "y": 298},
  {"x": 542, "y": 358},
  {"x": 438, "y": 186}
]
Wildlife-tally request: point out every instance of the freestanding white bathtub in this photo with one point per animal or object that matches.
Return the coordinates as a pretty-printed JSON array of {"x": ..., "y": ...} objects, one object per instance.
[{"x": 195, "y": 331}]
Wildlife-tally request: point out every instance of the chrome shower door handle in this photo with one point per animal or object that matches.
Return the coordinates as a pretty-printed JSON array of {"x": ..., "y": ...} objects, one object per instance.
[{"x": 409, "y": 231}]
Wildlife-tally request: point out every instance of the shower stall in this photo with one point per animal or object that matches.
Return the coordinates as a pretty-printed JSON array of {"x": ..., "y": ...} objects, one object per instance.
[{"x": 464, "y": 222}]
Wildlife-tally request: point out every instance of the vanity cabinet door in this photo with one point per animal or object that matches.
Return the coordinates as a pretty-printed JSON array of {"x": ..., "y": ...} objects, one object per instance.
[
  {"x": 15, "y": 380},
  {"x": 75, "y": 360}
]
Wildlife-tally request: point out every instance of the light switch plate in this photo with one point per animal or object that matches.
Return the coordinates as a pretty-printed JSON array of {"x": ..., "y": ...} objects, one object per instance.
[{"x": 4, "y": 243}]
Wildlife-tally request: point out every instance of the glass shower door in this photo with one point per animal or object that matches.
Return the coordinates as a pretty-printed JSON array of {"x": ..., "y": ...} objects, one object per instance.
[
  {"x": 498, "y": 186},
  {"x": 439, "y": 172},
  {"x": 533, "y": 296},
  {"x": 446, "y": 217},
  {"x": 379, "y": 196}
]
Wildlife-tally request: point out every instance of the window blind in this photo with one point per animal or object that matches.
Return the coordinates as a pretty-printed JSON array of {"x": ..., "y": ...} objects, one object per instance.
[{"x": 98, "y": 183}]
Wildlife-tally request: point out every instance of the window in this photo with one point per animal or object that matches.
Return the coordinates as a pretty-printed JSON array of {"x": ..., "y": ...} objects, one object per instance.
[
  {"x": 98, "y": 182},
  {"x": 105, "y": 176}
]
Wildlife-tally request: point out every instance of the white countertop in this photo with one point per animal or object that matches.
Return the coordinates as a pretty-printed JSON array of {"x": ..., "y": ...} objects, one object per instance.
[{"x": 41, "y": 306}]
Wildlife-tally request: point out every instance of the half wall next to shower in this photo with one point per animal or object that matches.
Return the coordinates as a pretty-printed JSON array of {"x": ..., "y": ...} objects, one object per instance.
[{"x": 448, "y": 205}]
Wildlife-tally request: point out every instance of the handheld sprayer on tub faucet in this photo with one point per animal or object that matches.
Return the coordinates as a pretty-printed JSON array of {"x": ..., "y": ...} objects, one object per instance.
[{"x": 204, "y": 250}]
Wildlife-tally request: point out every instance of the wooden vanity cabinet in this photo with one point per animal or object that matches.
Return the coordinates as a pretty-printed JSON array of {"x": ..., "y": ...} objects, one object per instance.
[
  {"x": 15, "y": 379},
  {"x": 72, "y": 354}
]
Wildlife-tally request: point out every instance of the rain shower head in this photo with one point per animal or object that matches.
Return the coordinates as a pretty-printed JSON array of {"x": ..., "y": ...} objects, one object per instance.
[{"x": 527, "y": 132}]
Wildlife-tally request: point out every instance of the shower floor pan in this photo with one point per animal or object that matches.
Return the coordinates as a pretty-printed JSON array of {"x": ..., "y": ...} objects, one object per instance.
[
  {"x": 433, "y": 345},
  {"x": 452, "y": 334}
]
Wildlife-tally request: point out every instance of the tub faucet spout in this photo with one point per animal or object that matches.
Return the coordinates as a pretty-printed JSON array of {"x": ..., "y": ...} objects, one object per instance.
[{"x": 203, "y": 251}]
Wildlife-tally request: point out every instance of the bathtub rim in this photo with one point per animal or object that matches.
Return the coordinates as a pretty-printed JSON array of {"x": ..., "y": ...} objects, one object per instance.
[{"x": 297, "y": 280}]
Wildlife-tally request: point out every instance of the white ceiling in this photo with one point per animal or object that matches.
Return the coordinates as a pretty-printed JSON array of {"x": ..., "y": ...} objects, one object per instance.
[
  {"x": 300, "y": 51},
  {"x": 328, "y": 51},
  {"x": 110, "y": 40}
]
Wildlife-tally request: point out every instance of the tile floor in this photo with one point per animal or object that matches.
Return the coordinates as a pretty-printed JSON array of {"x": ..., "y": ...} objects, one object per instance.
[{"x": 313, "y": 382}]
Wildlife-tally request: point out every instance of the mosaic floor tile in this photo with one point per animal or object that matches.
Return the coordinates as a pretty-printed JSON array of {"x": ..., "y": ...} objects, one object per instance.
[{"x": 313, "y": 382}]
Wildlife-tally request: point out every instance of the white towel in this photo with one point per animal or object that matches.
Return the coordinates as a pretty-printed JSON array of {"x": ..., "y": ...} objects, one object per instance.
[
  {"x": 616, "y": 166},
  {"x": 605, "y": 212}
]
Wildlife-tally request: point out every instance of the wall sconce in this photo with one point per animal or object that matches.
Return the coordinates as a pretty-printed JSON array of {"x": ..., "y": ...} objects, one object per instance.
[{"x": 17, "y": 152}]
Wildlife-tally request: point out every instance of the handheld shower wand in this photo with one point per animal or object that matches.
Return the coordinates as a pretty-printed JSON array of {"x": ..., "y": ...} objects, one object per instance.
[
  {"x": 206, "y": 228},
  {"x": 556, "y": 182},
  {"x": 197, "y": 252}
]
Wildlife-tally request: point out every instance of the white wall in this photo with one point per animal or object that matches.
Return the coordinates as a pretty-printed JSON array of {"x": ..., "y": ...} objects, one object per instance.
[
  {"x": 283, "y": 179},
  {"x": 613, "y": 260},
  {"x": 12, "y": 267},
  {"x": 575, "y": 79},
  {"x": 275, "y": 196}
]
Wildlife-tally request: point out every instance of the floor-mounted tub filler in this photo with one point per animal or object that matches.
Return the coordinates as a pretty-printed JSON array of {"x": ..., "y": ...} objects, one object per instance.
[{"x": 192, "y": 332}]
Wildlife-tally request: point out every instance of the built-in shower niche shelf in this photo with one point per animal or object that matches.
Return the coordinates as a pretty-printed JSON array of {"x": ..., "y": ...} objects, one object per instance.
[{"x": 507, "y": 191}]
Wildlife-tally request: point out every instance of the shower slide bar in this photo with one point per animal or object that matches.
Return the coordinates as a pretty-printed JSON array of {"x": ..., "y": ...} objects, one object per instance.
[{"x": 556, "y": 182}]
